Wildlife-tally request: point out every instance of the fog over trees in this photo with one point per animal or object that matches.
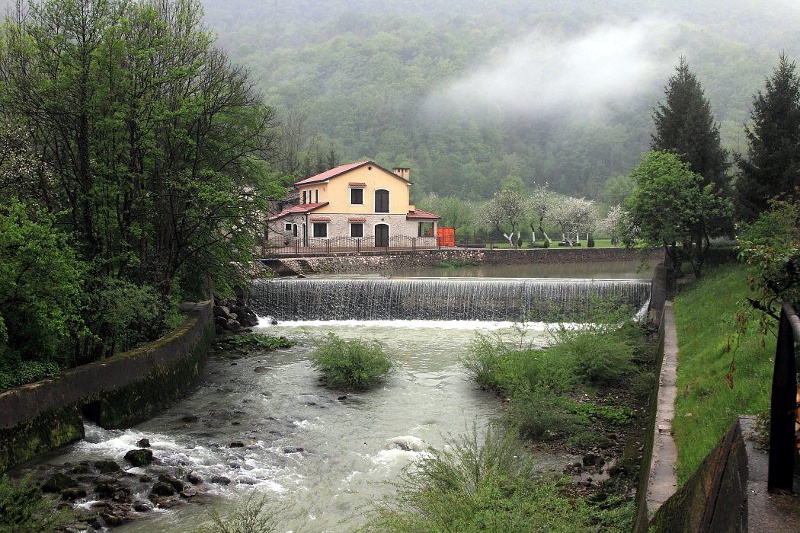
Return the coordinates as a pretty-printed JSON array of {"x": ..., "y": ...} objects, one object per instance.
[{"x": 467, "y": 93}]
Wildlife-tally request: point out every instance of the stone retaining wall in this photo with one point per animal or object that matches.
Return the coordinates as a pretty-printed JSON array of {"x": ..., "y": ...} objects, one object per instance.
[
  {"x": 370, "y": 262},
  {"x": 116, "y": 392}
]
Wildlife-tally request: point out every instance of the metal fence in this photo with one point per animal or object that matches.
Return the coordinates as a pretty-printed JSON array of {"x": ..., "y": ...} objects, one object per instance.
[
  {"x": 335, "y": 245},
  {"x": 783, "y": 404}
]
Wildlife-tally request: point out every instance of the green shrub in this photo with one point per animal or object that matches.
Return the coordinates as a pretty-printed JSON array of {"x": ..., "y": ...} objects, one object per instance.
[
  {"x": 471, "y": 487},
  {"x": 16, "y": 373},
  {"x": 543, "y": 416},
  {"x": 24, "y": 509},
  {"x": 351, "y": 365}
]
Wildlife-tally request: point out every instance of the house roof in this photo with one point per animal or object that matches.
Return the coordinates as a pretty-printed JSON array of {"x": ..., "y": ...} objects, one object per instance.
[
  {"x": 341, "y": 169},
  {"x": 328, "y": 174},
  {"x": 419, "y": 214},
  {"x": 298, "y": 209}
]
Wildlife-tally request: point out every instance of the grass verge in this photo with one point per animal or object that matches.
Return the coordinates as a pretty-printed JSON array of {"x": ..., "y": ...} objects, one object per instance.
[{"x": 717, "y": 379}]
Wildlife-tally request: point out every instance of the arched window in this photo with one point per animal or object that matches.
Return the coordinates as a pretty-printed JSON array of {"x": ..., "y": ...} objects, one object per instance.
[{"x": 381, "y": 201}]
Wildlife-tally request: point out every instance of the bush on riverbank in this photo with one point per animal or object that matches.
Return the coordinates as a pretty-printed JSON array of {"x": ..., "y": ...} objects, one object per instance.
[
  {"x": 547, "y": 388},
  {"x": 472, "y": 486},
  {"x": 351, "y": 365},
  {"x": 23, "y": 507}
]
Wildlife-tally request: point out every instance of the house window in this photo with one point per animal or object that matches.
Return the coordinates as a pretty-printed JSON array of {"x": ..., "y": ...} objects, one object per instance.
[
  {"x": 288, "y": 227},
  {"x": 357, "y": 196},
  {"x": 320, "y": 229},
  {"x": 356, "y": 229},
  {"x": 316, "y": 196},
  {"x": 304, "y": 197},
  {"x": 382, "y": 201}
]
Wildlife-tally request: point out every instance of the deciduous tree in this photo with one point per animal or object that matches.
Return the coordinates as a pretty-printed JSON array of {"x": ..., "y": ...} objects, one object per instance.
[{"x": 670, "y": 206}]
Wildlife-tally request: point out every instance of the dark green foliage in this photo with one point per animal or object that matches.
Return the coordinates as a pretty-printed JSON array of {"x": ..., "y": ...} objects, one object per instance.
[
  {"x": 14, "y": 373},
  {"x": 685, "y": 126},
  {"x": 772, "y": 166},
  {"x": 252, "y": 340},
  {"x": 40, "y": 281},
  {"x": 24, "y": 509},
  {"x": 350, "y": 365}
]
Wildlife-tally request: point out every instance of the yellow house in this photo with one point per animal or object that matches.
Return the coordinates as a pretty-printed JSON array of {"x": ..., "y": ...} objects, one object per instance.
[{"x": 357, "y": 204}]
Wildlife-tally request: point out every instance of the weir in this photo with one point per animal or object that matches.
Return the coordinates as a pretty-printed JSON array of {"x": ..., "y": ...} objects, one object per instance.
[{"x": 489, "y": 299}]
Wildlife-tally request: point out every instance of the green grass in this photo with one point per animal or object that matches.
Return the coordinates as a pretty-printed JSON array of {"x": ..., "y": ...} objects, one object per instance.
[{"x": 706, "y": 403}]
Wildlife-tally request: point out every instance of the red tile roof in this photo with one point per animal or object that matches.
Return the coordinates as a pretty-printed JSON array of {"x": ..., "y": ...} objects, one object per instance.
[
  {"x": 419, "y": 214},
  {"x": 328, "y": 174},
  {"x": 298, "y": 209}
]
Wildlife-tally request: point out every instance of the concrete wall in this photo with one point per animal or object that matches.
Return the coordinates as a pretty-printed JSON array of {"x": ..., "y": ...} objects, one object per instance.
[
  {"x": 116, "y": 392},
  {"x": 715, "y": 497}
]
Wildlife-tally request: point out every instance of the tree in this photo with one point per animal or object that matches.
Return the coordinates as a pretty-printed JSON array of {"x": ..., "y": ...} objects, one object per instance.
[
  {"x": 772, "y": 166},
  {"x": 540, "y": 204},
  {"x": 455, "y": 212},
  {"x": 156, "y": 143},
  {"x": 685, "y": 126},
  {"x": 610, "y": 225},
  {"x": 670, "y": 205},
  {"x": 40, "y": 283},
  {"x": 573, "y": 216},
  {"x": 506, "y": 212}
]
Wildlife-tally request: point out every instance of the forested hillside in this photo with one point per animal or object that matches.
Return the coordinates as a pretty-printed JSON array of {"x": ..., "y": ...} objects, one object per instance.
[{"x": 468, "y": 92}]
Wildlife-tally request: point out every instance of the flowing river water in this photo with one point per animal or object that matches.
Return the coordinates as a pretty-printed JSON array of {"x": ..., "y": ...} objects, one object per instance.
[{"x": 323, "y": 458}]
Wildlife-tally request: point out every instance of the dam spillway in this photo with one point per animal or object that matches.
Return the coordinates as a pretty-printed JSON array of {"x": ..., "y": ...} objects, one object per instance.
[{"x": 489, "y": 299}]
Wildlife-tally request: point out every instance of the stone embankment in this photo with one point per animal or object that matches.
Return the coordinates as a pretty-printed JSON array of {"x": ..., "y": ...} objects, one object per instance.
[{"x": 348, "y": 264}]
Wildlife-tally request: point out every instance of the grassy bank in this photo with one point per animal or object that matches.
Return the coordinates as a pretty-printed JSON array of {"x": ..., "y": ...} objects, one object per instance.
[{"x": 710, "y": 395}]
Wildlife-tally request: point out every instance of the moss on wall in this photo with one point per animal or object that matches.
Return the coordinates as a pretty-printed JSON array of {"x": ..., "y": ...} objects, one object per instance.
[
  {"x": 48, "y": 431},
  {"x": 128, "y": 388},
  {"x": 141, "y": 399}
]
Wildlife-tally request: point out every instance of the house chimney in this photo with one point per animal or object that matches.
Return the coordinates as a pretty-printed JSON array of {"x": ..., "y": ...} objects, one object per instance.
[{"x": 403, "y": 172}]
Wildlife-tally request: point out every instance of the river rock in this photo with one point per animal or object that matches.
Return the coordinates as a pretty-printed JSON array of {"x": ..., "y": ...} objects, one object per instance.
[
  {"x": 161, "y": 489},
  {"x": 246, "y": 316},
  {"x": 143, "y": 443},
  {"x": 111, "y": 519},
  {"x": 220, "y": 480},
  {"x": 194, "y": 479},
  {"x": 107, "y": 466},
  {"x": 139, "y": 457},
  {"x": 176, "y": 483},
  {"x": 58, "y": 483},
  {"x": 111, "y": 488},
  {"x": 73, "y": 493},
  {"x": 189, "y": 418}
]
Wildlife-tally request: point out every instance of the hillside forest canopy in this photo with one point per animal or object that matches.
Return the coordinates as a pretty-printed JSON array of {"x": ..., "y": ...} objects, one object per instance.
[{"x": 141, "y": 142}]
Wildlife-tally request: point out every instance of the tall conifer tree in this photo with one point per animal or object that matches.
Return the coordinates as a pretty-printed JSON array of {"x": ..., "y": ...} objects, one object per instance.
[
  {"x": 685, "y": 126},
  {"x": 772, "y": 165}
]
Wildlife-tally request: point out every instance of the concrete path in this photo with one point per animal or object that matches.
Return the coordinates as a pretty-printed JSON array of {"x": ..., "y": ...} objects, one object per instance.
[{"x": 663, "y": 482}]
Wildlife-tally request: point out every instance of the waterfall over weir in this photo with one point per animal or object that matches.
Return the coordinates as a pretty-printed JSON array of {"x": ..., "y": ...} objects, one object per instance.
[{"x": 489, "y": 299}]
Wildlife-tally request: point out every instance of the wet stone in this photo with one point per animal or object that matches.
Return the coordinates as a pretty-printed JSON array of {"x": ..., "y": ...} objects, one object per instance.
[
  {"x": 139, "y": 457},
  {"x": 106, "y": 467}
]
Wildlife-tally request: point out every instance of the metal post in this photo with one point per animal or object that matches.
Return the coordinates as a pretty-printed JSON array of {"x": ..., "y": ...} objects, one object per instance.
[{"x": 783, "y": 404}]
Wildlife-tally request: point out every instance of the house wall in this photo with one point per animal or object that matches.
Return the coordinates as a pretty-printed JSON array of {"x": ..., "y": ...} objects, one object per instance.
[{"x": 337, "y": 192}]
